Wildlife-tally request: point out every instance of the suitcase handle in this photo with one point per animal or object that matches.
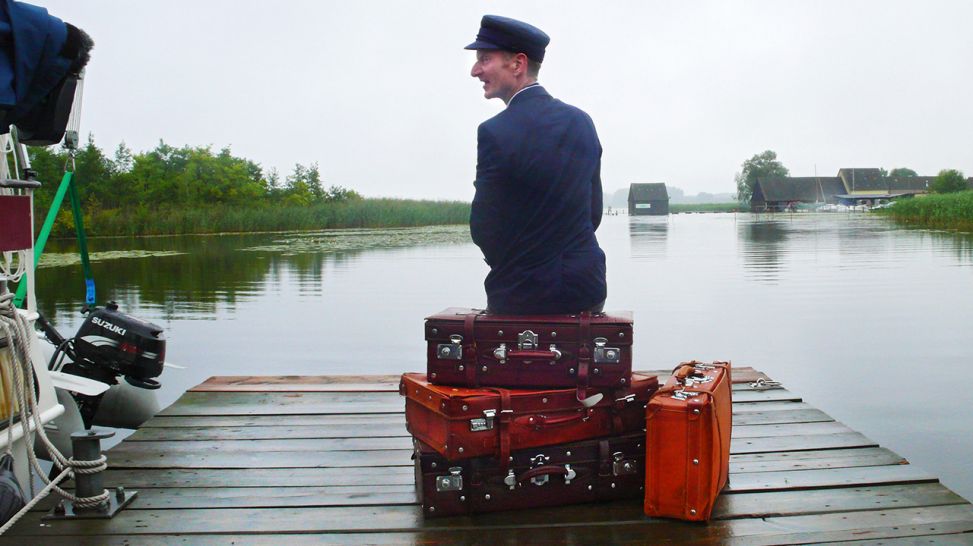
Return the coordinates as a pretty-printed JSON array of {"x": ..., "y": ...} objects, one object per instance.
[
  {"x": 545, "y": 470},
  {"x": 535, "y": 354},
  {"x": 541, "y": 421}
]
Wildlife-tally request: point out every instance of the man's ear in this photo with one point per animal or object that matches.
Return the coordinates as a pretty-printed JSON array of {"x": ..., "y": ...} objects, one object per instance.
[{"x": 520, "y": 62}]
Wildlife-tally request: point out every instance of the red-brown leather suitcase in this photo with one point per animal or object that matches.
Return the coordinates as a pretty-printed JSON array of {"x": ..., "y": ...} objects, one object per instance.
[
  {"x": 462, "y": 423},
  {"x": 590, "y": 471},
  {"x": 688, "y": 426},
  {"x": 471, "y": 348}
]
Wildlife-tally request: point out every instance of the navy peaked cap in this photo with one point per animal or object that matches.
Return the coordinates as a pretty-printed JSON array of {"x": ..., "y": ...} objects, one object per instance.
[{"x": 498, "y": 32}]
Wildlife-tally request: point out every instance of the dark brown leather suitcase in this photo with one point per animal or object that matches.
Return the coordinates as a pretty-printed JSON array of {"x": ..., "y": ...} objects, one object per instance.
[
  {"x": 461, "y": 423},
  {"x": 581, "y": 472},
  {"x": 688, "y": 427},
  {"x": 471, "y": 348}
]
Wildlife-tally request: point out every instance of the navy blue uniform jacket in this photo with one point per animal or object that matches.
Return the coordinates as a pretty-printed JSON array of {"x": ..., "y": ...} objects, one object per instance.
[{"x": 537, "y": 205}]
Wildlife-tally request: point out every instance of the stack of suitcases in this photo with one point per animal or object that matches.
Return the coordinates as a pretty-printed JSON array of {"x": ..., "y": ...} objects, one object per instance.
[{"x": 519, "y": 412}]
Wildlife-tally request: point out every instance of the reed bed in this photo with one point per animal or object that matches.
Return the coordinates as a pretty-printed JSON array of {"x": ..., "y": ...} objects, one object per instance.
[
  {"x": 707, "y": 207},
  {"x": 946, "y": 211},
  {"x": 358, "y": 213}
]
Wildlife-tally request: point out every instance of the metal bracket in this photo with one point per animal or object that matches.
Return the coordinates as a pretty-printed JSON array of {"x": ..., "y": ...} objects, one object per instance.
[
  {"x": 452, "y": 482},
  {"x": 65, "y": 509},
  {"x": 527, "y": 341},
  {"x": 511, "y": 480},
  {"x": 479, "y": 424},
  {"x": 606, "y": 355},
  {"x": 500, "y": 353},
  {"x": 452, "y": 350}
]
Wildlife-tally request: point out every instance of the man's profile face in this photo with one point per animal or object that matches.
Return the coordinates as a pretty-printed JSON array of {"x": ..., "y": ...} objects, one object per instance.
[{"x": 495, "y": 68}]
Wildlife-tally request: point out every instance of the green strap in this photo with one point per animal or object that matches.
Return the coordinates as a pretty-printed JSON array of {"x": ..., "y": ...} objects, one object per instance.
[{"x": 66, "y": 183}]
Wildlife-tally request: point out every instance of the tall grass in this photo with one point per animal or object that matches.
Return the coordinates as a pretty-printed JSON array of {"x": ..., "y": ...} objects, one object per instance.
[
  {"x": 707, "y": 207},
  {"x": 948, "y": 210},
  {"x": 362, "y": 213}
]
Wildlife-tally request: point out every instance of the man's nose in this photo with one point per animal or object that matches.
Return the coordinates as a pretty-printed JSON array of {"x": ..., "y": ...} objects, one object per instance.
[{"x": 475, "y": 71}]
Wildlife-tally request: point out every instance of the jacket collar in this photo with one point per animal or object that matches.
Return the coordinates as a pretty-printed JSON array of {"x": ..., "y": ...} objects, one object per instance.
[{"x": 532, "y": 90}]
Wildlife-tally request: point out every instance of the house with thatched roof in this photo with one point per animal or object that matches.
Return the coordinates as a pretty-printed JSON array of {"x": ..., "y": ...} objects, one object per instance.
[{"x": 777, "y": 194}]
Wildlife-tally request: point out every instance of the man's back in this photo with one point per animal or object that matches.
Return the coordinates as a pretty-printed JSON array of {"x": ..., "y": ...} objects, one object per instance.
[{"x": 538, "y": 201}]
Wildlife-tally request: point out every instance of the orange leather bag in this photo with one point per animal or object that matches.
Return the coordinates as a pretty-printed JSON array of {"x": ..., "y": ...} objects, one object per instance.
[{"x": 687, "y": 458}]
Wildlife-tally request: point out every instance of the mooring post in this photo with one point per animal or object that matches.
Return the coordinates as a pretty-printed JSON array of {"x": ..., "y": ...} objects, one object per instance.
[{"x": 87, "y": 447}]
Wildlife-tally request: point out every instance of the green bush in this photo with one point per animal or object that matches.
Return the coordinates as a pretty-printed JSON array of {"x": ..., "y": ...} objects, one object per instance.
[{"x": 949, "y": 210}]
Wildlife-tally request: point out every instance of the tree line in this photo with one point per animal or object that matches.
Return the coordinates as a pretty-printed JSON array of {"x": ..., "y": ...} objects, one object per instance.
[{"x": 168, "y": 177}]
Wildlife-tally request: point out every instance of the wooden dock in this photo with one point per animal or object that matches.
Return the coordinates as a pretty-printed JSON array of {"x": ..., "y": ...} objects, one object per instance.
[{"x": 326, "y": 460}]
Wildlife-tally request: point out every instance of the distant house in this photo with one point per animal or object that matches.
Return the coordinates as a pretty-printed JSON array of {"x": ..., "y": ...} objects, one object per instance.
[
  {"x": 648, "y": 199},
  {"x": 852, "y": 186},
  {"x": 778, "y": 194}
]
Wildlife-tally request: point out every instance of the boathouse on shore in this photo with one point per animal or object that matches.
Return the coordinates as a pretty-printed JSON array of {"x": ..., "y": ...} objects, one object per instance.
[
  {"x": 648, "y": 199},
  {"x": 851, "y": 186}
]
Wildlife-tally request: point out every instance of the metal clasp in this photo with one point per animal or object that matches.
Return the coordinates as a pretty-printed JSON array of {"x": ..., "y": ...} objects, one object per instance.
[
  {"x": 479, "y": 424},
  {"x": 452, "y": 482},
  {"x": 606, "y": 355},
  {"x": 500, "y": 353},
  {"x": 452, "y": 350},
  {"x": 764, "y": 384},
  {"x": 536, "y": 461},
  {"x": 621, "y": 466},
  {"x": 511, "y": 480},
  {"x": 682, "y": 394},
  {"x": 557, "y": 353},
  {"x": 527, "y": 340},
  {"x": 570, "y": 475}
]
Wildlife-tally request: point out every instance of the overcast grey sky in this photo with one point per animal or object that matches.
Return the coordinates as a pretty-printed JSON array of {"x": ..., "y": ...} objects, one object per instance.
[{"x": 378, "y": 93}]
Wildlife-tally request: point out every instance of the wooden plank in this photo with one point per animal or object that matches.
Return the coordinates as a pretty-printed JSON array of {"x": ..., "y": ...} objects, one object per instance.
[
  {"x": 373, "y": 451},
  {"x": 830, "y": 458},
  {"x": 763, "y": 413},
  {"x": 779, "y": 417},
  {"x": 285, "y": 403},
  {"x": 608, "y": 517},
  {"x": 939, "y": 532},
  {"x": 403, "y": 474},
  {"x": 372, "y": 431},
  {"x": 828, "y": 477},
  {"x": 299, "y": 383},
  {"x": 801, "y": 442},
  {"x": 370, "y": 383},
  {"x": 762, "y": 504}
]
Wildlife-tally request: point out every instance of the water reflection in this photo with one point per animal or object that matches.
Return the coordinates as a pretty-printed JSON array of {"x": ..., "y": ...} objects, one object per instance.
[
  {"x": 763, "y": 248},
  {"x": 196, "y": 277},
  {"x": 647, "y": 236}
]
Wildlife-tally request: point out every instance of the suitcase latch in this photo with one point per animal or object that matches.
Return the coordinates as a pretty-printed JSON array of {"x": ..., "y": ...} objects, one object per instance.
[
  {"x": 479, "y": 424},
  {"x": 684, "y": 394},
  {"x": 536, "y": 461},
  {"x": 622, "y": 466},
  {"x": 527, "y": 341},
  {"x": 697, "y": 379},
  {"x": 452, "y": 482},
  {"x": 452, "y": 350},
  {"x": 606, "y": 355},
  {"x": 500, "y": 353}
]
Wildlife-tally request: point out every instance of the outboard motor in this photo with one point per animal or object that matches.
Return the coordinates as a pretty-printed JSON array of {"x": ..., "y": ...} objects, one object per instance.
[
  {"x": 113, "y": 343},
  {"x": 110, "y": 344}
]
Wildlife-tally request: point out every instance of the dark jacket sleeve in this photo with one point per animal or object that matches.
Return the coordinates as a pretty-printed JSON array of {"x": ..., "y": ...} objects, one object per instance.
[
  {"x": 486, "y": 224},
  {"x": 596, "y": 198}
]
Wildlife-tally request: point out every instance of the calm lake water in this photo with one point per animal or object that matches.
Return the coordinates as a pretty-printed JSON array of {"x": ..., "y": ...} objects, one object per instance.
[{"x": 865, "y": 320}]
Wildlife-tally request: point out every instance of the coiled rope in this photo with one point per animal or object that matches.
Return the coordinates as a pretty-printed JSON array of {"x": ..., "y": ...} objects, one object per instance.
[{"x": 16, "y": 330}]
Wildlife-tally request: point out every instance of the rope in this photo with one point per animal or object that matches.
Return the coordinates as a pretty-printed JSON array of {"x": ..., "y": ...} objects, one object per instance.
[{"x": 16, "y": 330}]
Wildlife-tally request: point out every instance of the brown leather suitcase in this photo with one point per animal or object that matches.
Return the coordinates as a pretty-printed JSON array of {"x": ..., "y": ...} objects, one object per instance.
[
  {"x": 688, "y": 426},
  {"x": 462, "y": 423},
  {"x": 581, "y": 472},
  {"x": 471, "y": 348}
]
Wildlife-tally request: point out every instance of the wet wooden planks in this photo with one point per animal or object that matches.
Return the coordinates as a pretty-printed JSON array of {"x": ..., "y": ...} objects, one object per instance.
[{"x": 326, "y": 460}]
